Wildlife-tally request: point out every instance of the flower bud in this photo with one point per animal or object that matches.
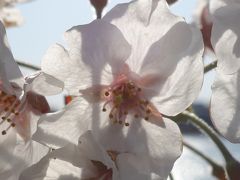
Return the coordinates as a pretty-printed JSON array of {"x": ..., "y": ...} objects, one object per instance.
[{"x": 98, "y": 5}]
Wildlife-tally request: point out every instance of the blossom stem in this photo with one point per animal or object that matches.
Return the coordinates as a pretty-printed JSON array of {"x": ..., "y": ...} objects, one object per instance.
[
  {"x": 217, "y": 170},
  {"x": 210, "y": 66},
  {"x": 27, "y": 65},
  {"x": 198, "y": 122}
]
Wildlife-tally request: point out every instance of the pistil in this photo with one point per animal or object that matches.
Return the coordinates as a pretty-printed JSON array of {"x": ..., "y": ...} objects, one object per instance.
[{"x": 124, "y": 98}]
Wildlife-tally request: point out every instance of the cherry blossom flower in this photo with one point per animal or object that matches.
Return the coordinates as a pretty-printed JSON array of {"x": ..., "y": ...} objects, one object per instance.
[
  {"x": 9, "y": 15},
  {"x": 92, "y": 160},
  {"x": 20, "y": 108},
  {"x": 138, "y": 63},
  {"x": 226, "y": 33}
]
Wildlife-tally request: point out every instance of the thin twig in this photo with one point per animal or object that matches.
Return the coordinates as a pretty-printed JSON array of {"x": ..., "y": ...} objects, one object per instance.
[
  {"x": 198, "y": 122},
  {"x": 217, "y": 170},
  {"x": 210, "y": 66},
  {"x": 27, "y": 65},
  {"x": 210, "y": 161}
]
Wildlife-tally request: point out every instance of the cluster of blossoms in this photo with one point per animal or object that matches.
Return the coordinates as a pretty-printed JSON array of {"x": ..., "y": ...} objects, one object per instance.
[{"x": 127, "y": 73}]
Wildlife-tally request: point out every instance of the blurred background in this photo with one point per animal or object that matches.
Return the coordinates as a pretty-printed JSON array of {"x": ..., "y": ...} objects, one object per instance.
[{"x": 45, "y": 21}]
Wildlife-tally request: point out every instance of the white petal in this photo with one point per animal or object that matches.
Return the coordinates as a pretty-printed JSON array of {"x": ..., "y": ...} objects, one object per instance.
[
  {"x": 58, "y": 64},
  {"x": 93, "y": 47},
  {"x": 96, "y": 44},
  {"x": 24, "y": 155},
  {"x": 9, "y": 70},
  {"x": 48, "y": 168},
  {"x": 71, "y": 160},
  {"x": 93, "y": 150},
  {"x": 127, "y": 168},
  {"x": 225, "y": 105},
  {"x": 156, "y": 46},
  {"x": 156, "y": 144},
  {"x": 182, "y": 87},
  {"x": 226, "y": 34},
  {"x": 58, "y": 129},
  {"x": 44, "y": 84}
]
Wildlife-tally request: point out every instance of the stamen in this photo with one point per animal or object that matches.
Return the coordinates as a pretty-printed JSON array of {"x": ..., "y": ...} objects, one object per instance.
[
  {"x": 107, "y": 93},
  {"x": 148, "y": 111},
  {"x": 104, "y": 109},
  {"x": 126, "y": 124},
  {"x": 124, "y": 97},
  {"x": 136, "y": 116},
  {"x": 146, "y": 118}
]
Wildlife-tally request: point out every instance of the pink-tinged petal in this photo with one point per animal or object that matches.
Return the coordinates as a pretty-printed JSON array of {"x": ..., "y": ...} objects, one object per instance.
[
  {"x": 73, "y": 119},
  {"x": 44, "y": 84},
  {"x": 226, "y": 34},
  {"x": 156, "y": 143},
  {"x": 157, "y": 45},
  {"x": 225, "y": 105},
  {"x": 181, "y": 88},
  {"x": 38, "y": 103},
  {"x": 26, "y": 120},
  {"x": 9, "y": 70}
]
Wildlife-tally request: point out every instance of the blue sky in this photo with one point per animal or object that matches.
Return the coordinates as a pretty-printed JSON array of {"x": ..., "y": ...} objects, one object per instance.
[{"x": 47, "y": 20}]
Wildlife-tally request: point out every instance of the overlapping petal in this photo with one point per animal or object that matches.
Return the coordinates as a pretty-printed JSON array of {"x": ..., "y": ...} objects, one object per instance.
[
  {"x": 59, "y": 128},
  {"x": 158, "y": 38},
  {"x": 225, "y": 105},
  {"x": 96, "y": 51},
  {"x": 79, "y": 159},
  {"x": 19, "y": 112},
  {"x": 226, "y": 34},
  {"x": 42, "y": 83},
  {"x": 182, "y": 87},
  {"x": 166, "y": 48},
  {"x": 155, "y": 145}
]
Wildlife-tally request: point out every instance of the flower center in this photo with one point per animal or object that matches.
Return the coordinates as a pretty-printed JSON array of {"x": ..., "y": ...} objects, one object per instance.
[
  {"x": 125, "y": 97},
  {"x": 10, "y": 108}
]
